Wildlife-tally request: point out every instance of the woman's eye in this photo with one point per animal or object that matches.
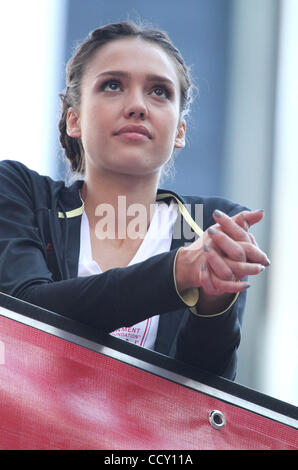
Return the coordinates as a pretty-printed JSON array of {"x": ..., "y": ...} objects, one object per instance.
[
  {"x": 161, "y": 92},
  {"x": 110, "y": 85}
]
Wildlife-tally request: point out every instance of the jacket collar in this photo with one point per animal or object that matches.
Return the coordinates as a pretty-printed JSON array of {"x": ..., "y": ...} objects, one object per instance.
[{"x": 72, "y": 196}]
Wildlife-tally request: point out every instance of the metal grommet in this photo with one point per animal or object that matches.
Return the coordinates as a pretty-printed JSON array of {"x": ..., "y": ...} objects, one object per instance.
[{"x": 217, "y": 419}]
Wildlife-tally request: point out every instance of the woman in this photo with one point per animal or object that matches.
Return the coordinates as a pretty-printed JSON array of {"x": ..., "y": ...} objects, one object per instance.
[{"x": 79, "y": 252}]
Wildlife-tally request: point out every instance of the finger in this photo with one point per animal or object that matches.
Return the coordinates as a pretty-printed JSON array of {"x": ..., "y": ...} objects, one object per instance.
[
  {"x": 228, "y": 286},
  {"x": 250, "y": 217},
  {"x": 240, "y": 219},
  {"x": 218, "y": 264},
  {"x": 230, "y": 270},
  {"x": 245, "y": 219},
  {"x": 212, "y": 285},
  {"x": 251, "y": 237},
  {"x": 254, "y": 254},
  {"x": 205, "y": 281},
  {"x": 238, "y": 251},
  {"x": 241, "y": 270},
  {"x": 243, "y": 223},
  {"x": 227, "y": 245},
  {"x": 230, "y": 226},
  {"x": 253, "y": 240}
]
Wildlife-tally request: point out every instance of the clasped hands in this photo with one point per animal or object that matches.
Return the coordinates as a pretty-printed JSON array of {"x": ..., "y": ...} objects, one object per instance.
[{"x": 225, "y": 254}]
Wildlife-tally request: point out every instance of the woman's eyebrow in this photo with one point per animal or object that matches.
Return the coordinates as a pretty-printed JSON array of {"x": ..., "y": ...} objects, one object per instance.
[
  {"x": 149, "y": 77},
  {"x": 159, "y": 78}
]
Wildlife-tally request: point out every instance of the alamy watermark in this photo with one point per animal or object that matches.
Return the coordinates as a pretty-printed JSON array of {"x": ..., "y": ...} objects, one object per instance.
[{"x": 132, "y": 221}]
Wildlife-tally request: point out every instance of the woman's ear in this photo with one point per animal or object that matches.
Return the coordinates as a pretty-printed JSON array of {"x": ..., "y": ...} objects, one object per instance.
[
  {"x": 180, "y": 135},
  {"x": 73, "y": 124}
]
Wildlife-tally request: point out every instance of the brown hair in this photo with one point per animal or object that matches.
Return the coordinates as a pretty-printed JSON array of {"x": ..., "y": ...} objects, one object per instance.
[{"x": 77, "y": 64}]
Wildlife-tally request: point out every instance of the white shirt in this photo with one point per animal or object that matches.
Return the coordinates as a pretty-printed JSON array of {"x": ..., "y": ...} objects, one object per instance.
[{"x": 157, "y": 240}]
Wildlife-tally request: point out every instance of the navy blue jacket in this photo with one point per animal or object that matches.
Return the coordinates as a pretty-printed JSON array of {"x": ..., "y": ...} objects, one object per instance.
[{"x": 39, "y": 251}]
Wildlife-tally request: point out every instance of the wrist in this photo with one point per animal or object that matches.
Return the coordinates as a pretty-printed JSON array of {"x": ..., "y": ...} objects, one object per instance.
[
  {"x": 181, "y": 271},
  {"x": 187, "y": 294}
]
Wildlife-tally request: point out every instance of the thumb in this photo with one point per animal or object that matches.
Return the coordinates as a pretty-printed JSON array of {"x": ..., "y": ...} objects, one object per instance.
[{"x": 248, "y": 218}]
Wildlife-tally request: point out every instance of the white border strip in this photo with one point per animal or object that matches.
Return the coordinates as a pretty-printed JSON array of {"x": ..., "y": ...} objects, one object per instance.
[
  {"x": 147, "y": 367},
  {"x": 279, "y": 369}
]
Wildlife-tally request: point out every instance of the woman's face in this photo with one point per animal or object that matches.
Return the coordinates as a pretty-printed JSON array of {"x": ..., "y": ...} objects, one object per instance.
[{"x": 128, "y": 119}]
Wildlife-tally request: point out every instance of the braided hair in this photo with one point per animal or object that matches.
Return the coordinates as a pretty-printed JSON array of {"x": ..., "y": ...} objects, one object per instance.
[{"x": 78, "y": 62}]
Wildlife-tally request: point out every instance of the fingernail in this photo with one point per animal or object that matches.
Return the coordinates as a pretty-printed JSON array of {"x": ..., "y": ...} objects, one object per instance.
[
  {"x": 246, "y": 287},
  {"x": 218, "y": 213},
  {"x": 203, "y": 267},
  {"x": 211, "y": 231},
  {"x": 206, "y": 248},
  {"x": 262, "y": 267},
  {"x": 268, "y": 262}
]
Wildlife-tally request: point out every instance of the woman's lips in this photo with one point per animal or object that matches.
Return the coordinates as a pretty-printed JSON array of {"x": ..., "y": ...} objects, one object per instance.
[
  {"x": 134, "y": 132},
  {"x": 133, "y": 136}
]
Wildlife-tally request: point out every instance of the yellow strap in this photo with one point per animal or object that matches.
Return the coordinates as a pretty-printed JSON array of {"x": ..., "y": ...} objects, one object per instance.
[
  {"x": 184, "y": 212},
  {"x": 74, "y": 213}
]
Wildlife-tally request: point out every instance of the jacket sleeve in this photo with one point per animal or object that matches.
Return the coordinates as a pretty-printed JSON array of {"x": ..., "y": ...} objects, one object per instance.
[
  {"x": 119, "y": 297},
  {"x": 211, "y": 342}
]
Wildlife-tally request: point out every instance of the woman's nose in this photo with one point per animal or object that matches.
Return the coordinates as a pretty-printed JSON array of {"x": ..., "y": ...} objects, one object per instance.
[{"x": 135, "y": 106}]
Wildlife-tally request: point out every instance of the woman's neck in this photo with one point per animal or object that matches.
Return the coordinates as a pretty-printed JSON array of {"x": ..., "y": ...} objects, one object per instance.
[{"x": 123, "y": 196}]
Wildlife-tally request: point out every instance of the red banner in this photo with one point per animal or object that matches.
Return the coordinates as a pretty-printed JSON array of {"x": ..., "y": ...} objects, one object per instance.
[{"x": 55, "y": 394}]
